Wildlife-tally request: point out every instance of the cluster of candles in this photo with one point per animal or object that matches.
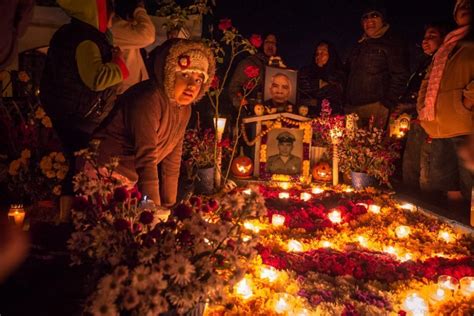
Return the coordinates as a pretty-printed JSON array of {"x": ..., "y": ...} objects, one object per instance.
[{"x": 16, "y": 214}]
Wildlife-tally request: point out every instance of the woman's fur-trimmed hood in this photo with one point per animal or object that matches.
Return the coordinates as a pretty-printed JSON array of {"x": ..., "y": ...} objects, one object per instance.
[{"x": 166, "y": 63}]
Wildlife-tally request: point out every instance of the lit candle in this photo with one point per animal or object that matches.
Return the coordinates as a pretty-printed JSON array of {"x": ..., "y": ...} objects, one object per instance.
[
  {"x": 284, "y": 195},
  {"x": 251, "y": 227},
  {"x": 302, "y": 312},
  {"x": 16, "y": 214},
  {"x": 467, "y": 286},
  {"x": 407, "y": 257},
  {"x": 448, "y": 282},
  {"x": 335, "y": 217},
  {"x": 317, "y": 190},
  {"x": 348, "y": 190},
  {"x": 408, "y": 206},
  {"x": 219, "y": 124},
  {"x": 278, "y": 220},
  {"x": 295, "y": 246},
  {"x": 285, "y": 185},
  {"x": 375, "y": 209},
  {"x": 362, "y": 241},
  {"x": 281, "y": 306},
  {"x": 391, "y": 250},
  {"x": 305, "y": 196},
  {"x": 247, "y": 191},
  {"x": 243, "y": 289},
  {"x": 402, "y": 231},
  {"x": 326, "y": 244},
  {"x": 269, "y": 273},
  {"x": 438, "y": 295},
  {"x": 246, "y": 238},
  {"x": 444, "y": 235},
  {"x": 416, "y": 305}
]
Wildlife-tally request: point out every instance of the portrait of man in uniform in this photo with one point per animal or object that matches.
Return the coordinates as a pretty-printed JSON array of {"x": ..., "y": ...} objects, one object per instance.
[{"x": 287, "y": 159}]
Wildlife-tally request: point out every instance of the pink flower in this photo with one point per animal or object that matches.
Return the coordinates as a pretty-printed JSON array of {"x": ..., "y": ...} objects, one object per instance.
[
  {"x": 256, "y": 40},
  {"x": 252, "y": 71},
  {"x": 225, "y": 24},
  {"x": 213, "y": 205},
  {"x": 195, "y": 201}
]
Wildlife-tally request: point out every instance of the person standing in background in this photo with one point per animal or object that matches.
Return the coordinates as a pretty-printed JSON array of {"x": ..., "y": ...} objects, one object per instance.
[{"x": 132, "y": 30}]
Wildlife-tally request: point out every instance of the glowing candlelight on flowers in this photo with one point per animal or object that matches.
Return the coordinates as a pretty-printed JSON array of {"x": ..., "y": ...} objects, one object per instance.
[
  {"x": 281, "y": 306},
  {"x": 407, "y": 257},
  {"x": 251, "y": 227},
  {"x": 246, "y": 238},
  {"x": 391, "y": 250},
  {"x": 416, "y": 305},
  {"x": 467, "y": 286},
  {"x": 269, "y": 273},
  {"x": 326, "y": 244},
  {"x": 362, "y": 241},
  {"x": 348, "y": 190},
  {"x": 438, "y": 295},
  {"x": 278, "y": 220},
  {"x": 284, "y": 195},
  {"x": 243, "y": 289},
  {"x": 335, "y": 217},
  {"x": 317, "y": 190},
  {"x": 374, "y": 209},
  {"x": 402, "y": 231},
  {"x": 305, "y": 196},
  {"x": 448, "y": 282},
  {"x": 446, "y": 236},
  {"x": 295, "y": 246},
  {"x": 302, "y": 312}
]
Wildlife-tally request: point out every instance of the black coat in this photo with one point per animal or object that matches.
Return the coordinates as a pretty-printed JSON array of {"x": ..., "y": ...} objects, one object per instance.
[{"x": 377, "y": 70}]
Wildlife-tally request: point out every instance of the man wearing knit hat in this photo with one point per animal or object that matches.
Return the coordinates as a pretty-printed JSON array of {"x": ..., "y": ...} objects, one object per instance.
[
  {"x": 377, "y": 69},
  {"x": 151, "y": 118},
  {"x": 445, "y": 105}
]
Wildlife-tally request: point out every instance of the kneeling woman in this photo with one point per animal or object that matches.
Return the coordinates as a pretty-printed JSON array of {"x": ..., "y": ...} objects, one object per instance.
[{"x": 148, "y": 124}]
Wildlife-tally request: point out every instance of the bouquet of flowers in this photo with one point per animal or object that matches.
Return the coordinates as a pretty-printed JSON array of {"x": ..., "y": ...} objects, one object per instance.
[
  {"x": 36, "y": 166},
  {"x": 154, "y": 263},
  {"x": 322, "y": 127},
  {"x": 369, "y": 151}
]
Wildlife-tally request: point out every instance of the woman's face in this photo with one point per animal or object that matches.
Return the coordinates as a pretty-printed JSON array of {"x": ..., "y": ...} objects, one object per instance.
[
  {"x": 322, "y": 55},
  {"x": 187, "y": 86},
  {"x": 432, "y": 41},
  {"x": 463, "y": 14}
]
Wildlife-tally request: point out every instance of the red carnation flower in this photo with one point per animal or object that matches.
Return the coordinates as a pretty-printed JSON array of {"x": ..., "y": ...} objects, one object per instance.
[
  {"x": 205, "y": 209},
  {"x": 213, "y": 205},
  {"x": 195, "y": 201},
  {"x": 215, "y": 82},
  {"x": 182, "y": 211},
  {"x": 135, "y": 194},
  {"x": 146, "y": 218},
  {"x": 225, "y": 24},
  {"x": 252, "y": 71},
  {"x": 121, "y": 194},
  {"x": 137, "y": 227},
  {"x": 121, "y": 224},
  {"x": 226, "y": 216},
  {"x": 256, "y": 40}
]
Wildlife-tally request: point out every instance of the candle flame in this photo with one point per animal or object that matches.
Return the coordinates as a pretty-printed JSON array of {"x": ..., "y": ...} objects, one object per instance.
[
  {"x": 295, "y": 246},
  {"x": 243, "y": 289},
  {"x": 335, "y": 217}
]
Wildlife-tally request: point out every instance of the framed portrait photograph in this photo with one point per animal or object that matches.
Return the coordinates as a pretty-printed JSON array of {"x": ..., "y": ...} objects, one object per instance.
[
  {"x": 285, "y": 151},
  {"x": 280, "y": 85}
]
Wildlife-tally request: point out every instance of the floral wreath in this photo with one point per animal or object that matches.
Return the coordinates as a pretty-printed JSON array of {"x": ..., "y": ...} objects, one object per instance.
[{"x": 184, "y": 61}]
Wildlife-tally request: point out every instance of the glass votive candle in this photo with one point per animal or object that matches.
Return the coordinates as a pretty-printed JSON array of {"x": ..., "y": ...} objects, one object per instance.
[
  {"x": 317, "y": 190},
  {"x": 415, "y": 305},
  {"x": 16, "y": 214},
  {"x": 408, "y": 206},
  {"x": 294, "y": 246},
  {"x": 335, "y": 217},
  {"x": 269, "y": 273},
  {"x": 375, "y": 209},
  {"x": 445, "y": 236},
  {"x": 278, "y": 220},
  {"x": 305, "y": 196},
  {"x": 247, "y": 191},
  {"x": 448, "y": 282},
  {"x": 402, "y": 231},
  {"x": 285, "y": 185},
  {"x": 467, "y": 286},
  {"x": 438, "y": 295},
  {"x": 284, "y": 195},
  {"x": 326, "y": 244}
]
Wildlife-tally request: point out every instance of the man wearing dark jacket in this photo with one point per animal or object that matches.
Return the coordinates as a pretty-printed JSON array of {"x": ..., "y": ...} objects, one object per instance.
[{"x": 377, "y": 69}]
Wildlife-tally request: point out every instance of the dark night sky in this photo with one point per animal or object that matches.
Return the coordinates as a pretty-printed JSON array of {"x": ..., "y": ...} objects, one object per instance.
[{"x": 300, "y": 24}]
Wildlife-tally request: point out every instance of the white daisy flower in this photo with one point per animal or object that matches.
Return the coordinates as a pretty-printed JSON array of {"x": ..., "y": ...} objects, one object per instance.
[
  {"x": 130, "y": 299},
  {"x": 182, "y": 270},
  {"x": 147, "y": 254},
  {"x": 140, "y": 278},
  {"x": 103, "y": 306},
  {"x": 109, "y": 286}
]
